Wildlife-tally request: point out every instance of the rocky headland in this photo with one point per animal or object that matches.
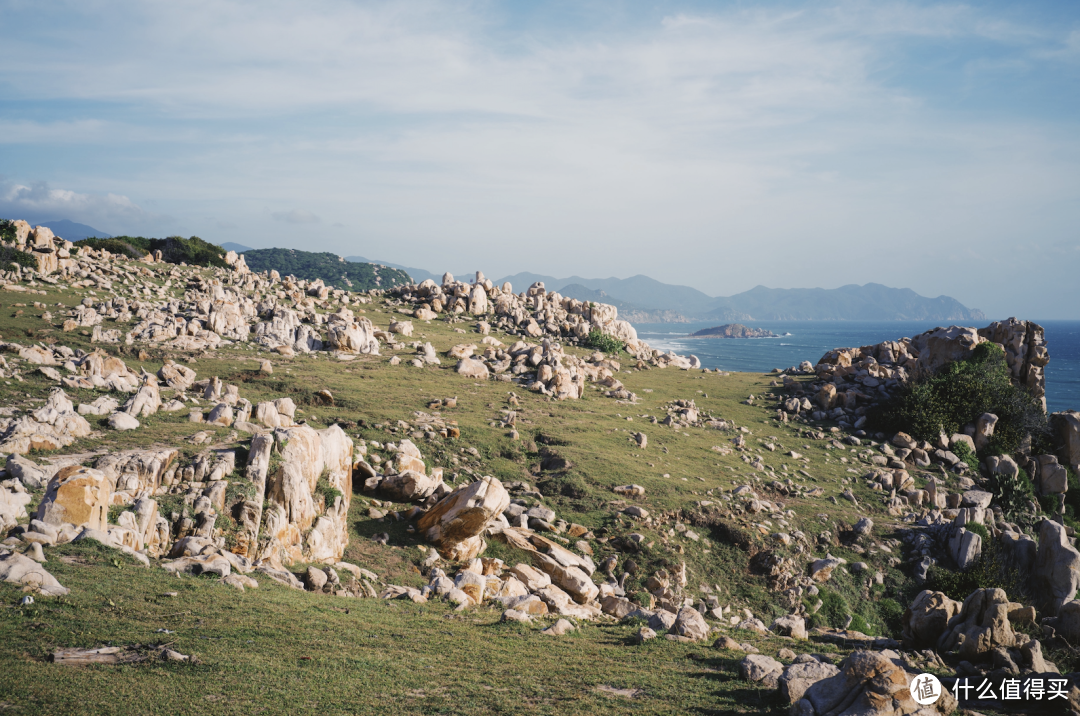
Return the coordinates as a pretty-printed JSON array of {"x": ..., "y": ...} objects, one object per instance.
[{"x": 732, "y": 330}]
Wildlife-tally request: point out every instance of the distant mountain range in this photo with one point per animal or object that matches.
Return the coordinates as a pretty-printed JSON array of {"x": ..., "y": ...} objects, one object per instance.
[
  {"x": 72, "y": 231},
  {"x": 238, "y": 248},
  {"x": 641, "y": 299}
]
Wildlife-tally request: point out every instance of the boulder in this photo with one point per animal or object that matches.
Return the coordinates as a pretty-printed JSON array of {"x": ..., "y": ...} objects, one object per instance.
[
  {"x": 409, "y": 486},
  {"x": 940, "y": 346},
  {"x": 981, "y": 626},
  {"x": 455, "y": 523},
  {"x": 925, "y": 621},
  {"x": 77, "y": 495},
  {"x": 13, "y": 501},
  {"x": 570, "y": 579},
  {"x": 798, "y": 677},
  {"x": 123, "y": 422},
  {"x": 762, "y": 669},
  {"x": 984, "y": 430},
  {"x": 868, "y": 684},
  {"x": 472, "y": 368},
  {"x": 1067, "y": 427},
  {"x": 1056, "y": 573},
  {"x": 690, "y": 624},
  {"x": 27, "y": 472},
  {"x": 19, "y": 569},
  {"x": 559, "y": 628},
  {"x": 793, "y": 626},
  {"x": 965, "y": 548}
]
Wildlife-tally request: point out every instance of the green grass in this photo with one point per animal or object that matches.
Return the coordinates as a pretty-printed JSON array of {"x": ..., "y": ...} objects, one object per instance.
[{"x": 277, "y": 650}]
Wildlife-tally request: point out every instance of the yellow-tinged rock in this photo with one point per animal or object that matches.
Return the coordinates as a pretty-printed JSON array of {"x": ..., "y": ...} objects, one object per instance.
[
  {"x": 455, "y": 523},
  {"x": 77, "y": 495}
]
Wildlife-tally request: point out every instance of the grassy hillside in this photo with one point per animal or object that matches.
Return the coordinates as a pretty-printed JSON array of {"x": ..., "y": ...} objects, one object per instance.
[
  {"x": 278, "y": 650},
  {"x": 331, "y": 268}
]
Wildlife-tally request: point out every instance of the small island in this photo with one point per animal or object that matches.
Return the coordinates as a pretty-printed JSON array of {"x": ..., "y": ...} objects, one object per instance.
[{"x": 733, "y": 330}]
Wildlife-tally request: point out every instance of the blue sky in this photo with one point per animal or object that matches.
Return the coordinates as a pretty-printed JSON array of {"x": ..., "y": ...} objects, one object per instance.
[{"x": 722, "y": 145}]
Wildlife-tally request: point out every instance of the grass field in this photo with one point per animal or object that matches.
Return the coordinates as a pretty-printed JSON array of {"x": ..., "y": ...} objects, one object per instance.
[{"x": 277, "y": 650}]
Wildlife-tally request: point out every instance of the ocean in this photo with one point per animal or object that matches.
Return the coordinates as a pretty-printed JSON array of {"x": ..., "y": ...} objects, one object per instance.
[{"x": 809, "y": 340}]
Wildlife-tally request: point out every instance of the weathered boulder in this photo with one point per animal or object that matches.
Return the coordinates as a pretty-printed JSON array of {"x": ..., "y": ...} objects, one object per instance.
[
  {"x": 290, "y": 506},
  {"x": 176, "y": 376},
  {"x": 793, "y": 626},
  {"x": 409, "y": 486},
  {"x": 690, "y": 624},
  {"x": 570, "y": 579},
  {"x": 927, "y": 618},
  {"x": 455, "y": 523},
  {"x": 19, "y": 569},
  {"x": 123, "y": 422},
  {"x": 1056, "y": 573},
  {"x": 330, "y": 536},
  {"x": 146, "y": 401},
  {"x": 943, "y": 345},
  {"x": 798, "y": 677},
  {"x": 352, "y": 335},
  {"x": 135, "y": 471},
  {"x": 981, "y": 626},
  {"x": 984, "y": 430},
  {"x": 869, "y": 684},
  {"x": 77, "y": 495},
  {"x": 13, "y": 501},
  {"x": 472, "y": 368},
  {"x": 762, "y": 669},
  {"x": 965, "y": 548},
  {"x": 32, "y": 476},
  {"x": 1067, "y": 427}
]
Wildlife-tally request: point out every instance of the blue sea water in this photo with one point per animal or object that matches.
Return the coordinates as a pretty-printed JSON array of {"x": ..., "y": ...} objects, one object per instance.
[{"x": 809, "y": 340}]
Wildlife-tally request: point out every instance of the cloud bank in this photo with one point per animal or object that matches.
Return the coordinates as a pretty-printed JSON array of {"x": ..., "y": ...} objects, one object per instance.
[{"x": 926, "y": 145}]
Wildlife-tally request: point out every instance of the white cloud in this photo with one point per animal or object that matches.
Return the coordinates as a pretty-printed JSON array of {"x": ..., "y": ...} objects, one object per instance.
[
  {"x": 42, "y": 202},
  {"x": 431, "y": 129}
]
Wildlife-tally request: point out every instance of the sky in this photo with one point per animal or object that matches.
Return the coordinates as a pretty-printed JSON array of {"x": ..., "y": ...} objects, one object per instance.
[{"x": 721, "y": 145}]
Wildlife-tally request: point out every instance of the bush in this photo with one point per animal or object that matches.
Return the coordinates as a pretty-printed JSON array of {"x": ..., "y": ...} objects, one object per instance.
[
  {"x": 834, "y": 610},
  {"x": 1012, "y": 493},
  {"x": 7, "y": 230},
  {"x": 9, "y": 256},
  {"x": 859, "y": 624},
  {"x": 603, "y": 342},
  {"x": 990, "y": 571},
  {"x": 979, "y": 530},
  {"x": 958, "y": 394},
  {"x": 891, "y": 613},
  {"x": 174, "y": 249}
]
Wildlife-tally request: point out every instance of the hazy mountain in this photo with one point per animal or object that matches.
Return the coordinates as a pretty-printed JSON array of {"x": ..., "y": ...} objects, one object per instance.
[
  {"x": 238, "y": 248},
  {"x": 73, "y": 231},
  {"x": 872, "y": 302},
  {"x": 642, "y": 291},
  {"x": 646, "y": 300},
  {"x": 627, "y": 311}
]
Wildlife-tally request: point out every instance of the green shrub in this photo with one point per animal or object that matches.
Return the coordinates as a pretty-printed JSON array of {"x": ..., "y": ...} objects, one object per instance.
[
  {"x": 174, "y": 249},
  {"x": 603, "y": 342},
  {"x": 1012, "y": 493},
  {"x": 834, "y": 610},
  {"x": 9, "y": 256},
  {"x": 7, "y": 230},
  {"x": 958, "y": 394},
  {"x": 120, "y": 245},
  {"x": 990, "y": 571},
  {"x": 966, "y": 454},
  {"x": 859, "y": 624},
  {"x": 329, "y": 492},
  {"x": 979, "y": 530},
  {"x": 891, "y": 613}
]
